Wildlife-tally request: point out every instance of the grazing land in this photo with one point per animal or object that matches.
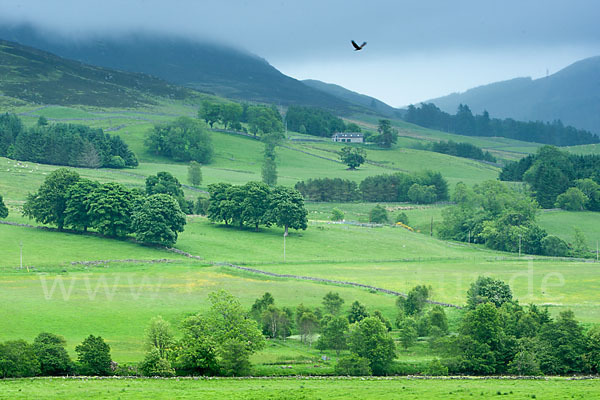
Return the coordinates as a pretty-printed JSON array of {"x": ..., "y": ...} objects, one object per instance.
[
  {"x": 299, "y": 388},
  {"x": 74, "y": 284}
]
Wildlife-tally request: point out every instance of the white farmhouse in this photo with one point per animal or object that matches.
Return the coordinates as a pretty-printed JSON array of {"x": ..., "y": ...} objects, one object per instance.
[{"x": 347, "y": 137}]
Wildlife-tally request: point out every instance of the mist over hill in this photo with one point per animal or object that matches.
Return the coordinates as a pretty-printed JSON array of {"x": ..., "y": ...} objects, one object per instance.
[
  {"x": 571, "y": 95},
  {"x": 206, "y": 67}
]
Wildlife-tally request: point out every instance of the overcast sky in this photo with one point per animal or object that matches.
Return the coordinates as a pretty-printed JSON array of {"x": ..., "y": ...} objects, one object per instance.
[{"x": 416, "y": 49}]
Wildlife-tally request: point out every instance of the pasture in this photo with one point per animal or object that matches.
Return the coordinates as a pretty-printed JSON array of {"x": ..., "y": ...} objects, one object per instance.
[{"x": 298, "y": 388}]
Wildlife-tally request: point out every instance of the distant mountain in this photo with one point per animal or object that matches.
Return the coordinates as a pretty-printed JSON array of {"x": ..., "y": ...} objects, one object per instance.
[
  {"x": 571, "y": 95},
  {"x": 362, "y": 100},
  {"x": 40, "y": 77},
  {"x": 206, "y": 67}
]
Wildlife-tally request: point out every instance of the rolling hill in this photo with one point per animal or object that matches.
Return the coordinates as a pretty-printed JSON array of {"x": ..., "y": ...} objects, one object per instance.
[
  {"x": 206, "y": 67},
  {"x": 39, "y": 77},
  {"x": 571, "y": 95},
  {"x": 362, "y": 100}
]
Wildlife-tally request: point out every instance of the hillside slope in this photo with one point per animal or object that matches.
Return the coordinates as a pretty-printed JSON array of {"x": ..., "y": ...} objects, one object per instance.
[
  {"x": 571, "y": 95},
  {"x": 355, "y": 98},
  {"x": 206, "y": 67},
  {"x": 39, "y": 77}
]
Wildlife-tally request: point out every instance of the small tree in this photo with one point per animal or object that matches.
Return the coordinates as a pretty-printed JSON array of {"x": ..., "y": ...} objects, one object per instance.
[
  {"x": 158, "y": 220},
  {"x": 580, "y": 247},
  {"x": 572, "y": 200},
  {"x": 18, "y": 360},
  {"x": 159, "y": 336},
  {"x": 308, "y": 324},
  {"x": 286, "y": 209},
  {"x": 378, "y": 215},
  {"x": 195, "y": 173},
  {"x": 49, "y": 203},
  {"x": 93, "y": 355},
  {"x": 332, "y": 302},
  {"x": 3, "y": 208},
  {"x": 370, "y": 339},
  {"x": 486, "y": 289},
  {"x": 155, "y": 365},
  {"x": 77, "y": 213},
  {"x": 50, "y": 351},
  {"x": 357, "y": 313},
  {"x": 353, "y": 157},
  {"x": 337, "y": 215},
  {"x": 276, "y": 322},
  {"x": 408, "y": 332},
  {"x": 387, "y": 135},
  {"x": 110, "y": 209},
  {"x": 402, "y": 217},
  {"x": 334, "y": 334}
]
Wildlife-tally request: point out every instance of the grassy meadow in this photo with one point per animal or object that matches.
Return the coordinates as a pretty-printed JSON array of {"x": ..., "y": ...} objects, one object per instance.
[
  {"x": 56, "y": 292},
  {"x": 299, "y": 388}
]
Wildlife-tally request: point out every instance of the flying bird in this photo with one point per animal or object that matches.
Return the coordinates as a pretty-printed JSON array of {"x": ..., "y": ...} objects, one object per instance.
[{"x": 357, "y": 47}]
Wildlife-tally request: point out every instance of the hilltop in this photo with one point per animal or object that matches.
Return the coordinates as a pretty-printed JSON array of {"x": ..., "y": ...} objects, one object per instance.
[{"x": 207, "y": 67}]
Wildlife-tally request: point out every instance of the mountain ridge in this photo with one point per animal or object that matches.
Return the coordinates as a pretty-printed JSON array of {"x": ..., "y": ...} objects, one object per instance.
[
  {"x": 571, "y": 95},
  {"x": 206, "y": 67}
]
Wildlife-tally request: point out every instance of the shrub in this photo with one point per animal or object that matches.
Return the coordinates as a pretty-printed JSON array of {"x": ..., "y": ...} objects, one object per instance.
[
  {"x": 353, "y": 365},
  {"x": 154, "y": 365},
  {"x": 436, "y": 368},
  {"x": 378, "y": 215},
  {"x": 401, "y": 217},
  {"x": 337, "y": 215}
]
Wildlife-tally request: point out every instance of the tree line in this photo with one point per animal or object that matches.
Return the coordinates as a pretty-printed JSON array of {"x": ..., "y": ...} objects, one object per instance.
[
  {"x": 457, "y": 149},
  {"x": 184, "y": 139},
  {"x": 559, "y": 178},
  {"x": 503, "y": 219},
  {"x": 465, "y": 123},
  {"x": 495, "y": 335},
  {"x": 62, "y": 144},
  {"x": 66, "y": 200},
  {"x": 255, "y": 204},
  {"x": 422, "y": 188},
  {"x": 260, "y": 119}
]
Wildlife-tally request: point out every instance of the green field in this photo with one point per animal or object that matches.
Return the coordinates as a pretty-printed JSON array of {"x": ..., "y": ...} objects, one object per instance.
[
  {"x": 116, "y": 298},
  {"x": 298, "y": 388}
]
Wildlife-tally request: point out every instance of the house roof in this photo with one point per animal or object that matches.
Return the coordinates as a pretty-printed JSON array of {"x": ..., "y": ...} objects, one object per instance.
[{"x": 348, "y": 134}]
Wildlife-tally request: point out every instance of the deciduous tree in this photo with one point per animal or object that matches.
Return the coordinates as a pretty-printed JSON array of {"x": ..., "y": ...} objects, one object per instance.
[{"x": 49, "y": 203}]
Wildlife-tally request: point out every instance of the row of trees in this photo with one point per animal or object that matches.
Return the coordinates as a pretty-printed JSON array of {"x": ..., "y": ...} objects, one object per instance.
[
  {"x": 62, "y": 144},
  {"x": 255, "y": 204},
  {"x": 458, "y": 149},
  {"x": 184, "y": 139},
  {"x": 260, "y": 119},
  {"x": 503, "y": 219},
  {"x": 552, "y": 172},
  {"x": 465, "y": 123},
  {"x": 313, "y": 121},
  {"x": 65, "y": 199},
  {"x": 423, "y": 188},
  {"x": 47, "y": 356}
]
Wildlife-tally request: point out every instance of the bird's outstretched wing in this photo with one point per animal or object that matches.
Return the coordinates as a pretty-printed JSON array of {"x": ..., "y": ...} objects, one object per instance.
[{"x": 356, "y": 46}]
